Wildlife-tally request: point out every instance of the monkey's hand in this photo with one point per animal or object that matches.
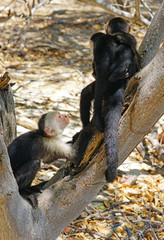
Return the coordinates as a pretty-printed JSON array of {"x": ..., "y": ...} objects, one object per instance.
[{"x": 110, "y": 174}]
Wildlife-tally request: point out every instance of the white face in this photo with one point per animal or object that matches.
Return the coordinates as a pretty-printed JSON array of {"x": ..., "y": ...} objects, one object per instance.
[
  {"x": 60, "y": 120},
  {"x": 55, "y": 123}
]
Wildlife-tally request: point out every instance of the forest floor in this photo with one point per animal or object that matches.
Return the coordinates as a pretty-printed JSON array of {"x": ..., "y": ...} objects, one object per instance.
[{"x": 48, "y": 58}]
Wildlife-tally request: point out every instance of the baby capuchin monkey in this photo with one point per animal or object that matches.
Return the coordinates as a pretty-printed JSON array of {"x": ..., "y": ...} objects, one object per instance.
[
  {"x": 93, "y": 39},
  {"x": 45, "y": 143}
]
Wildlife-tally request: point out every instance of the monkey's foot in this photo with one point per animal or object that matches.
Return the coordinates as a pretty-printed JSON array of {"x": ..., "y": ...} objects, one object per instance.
[{"x": 31, "y": 198}]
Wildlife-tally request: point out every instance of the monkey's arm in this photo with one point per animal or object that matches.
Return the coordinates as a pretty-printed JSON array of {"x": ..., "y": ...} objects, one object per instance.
[{"x": 87, "y": 95}]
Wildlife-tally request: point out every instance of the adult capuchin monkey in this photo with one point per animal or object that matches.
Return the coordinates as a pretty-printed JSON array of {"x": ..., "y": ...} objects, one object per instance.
[
  {"x": 115, "y": 60},
  {"x": 27, "y": 150}
]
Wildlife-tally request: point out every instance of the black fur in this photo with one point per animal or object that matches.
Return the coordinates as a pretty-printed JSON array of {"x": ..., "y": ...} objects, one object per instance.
[
  {"x": 25, "y": 153},
  {"x": 115, "y": 62}
]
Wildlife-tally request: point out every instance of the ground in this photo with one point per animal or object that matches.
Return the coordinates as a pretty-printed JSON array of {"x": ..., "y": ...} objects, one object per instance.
[{"x": 49, "y": 61}]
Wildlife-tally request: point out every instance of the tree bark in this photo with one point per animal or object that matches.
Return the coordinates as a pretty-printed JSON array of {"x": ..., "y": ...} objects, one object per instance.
[
  {"x": 7, "y": 110},
  {"x": 155, "y": 32}
]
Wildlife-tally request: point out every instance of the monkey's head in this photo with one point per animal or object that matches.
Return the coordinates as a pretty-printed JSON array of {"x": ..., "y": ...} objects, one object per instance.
[
  {"x": 94, "y": 38},
  {"x": 117, "y": 24},
  {"x": 52, "y": 123}
]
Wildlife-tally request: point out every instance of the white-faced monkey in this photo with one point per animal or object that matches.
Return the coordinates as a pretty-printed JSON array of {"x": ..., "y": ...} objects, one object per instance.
[{"x": 27, "y": 150}]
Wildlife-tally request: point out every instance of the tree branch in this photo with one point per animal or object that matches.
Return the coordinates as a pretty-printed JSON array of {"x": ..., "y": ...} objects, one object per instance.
[
  {"x": 153, "y": 37},
  {"x": 118, "y": 12},
  {"x": 147, "y": 8},
  {"x": 137, "y": 13}
]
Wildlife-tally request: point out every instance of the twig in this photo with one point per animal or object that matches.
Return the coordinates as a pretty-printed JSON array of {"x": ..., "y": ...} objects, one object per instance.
[
  {"x": 152, "y": 230},
  {"x": 112, "y": 226},
  {"x": 154, "y": 209},
  {"x": 130, "y": 236},
  {"x": 137, "y": 7},
  {"x": 118, "y": 204},
  {"x": 147, "y": 220},
  {"x": 40, "y": 4},
  {"x": 117, "y": 12},
  {"x": 149, "y": 230},
  {"x": 28, "y": 5},
  {"x": 6, "y": 6},
  {"x": 147, "y": 8},
  {"x": 90, "y": 231}
]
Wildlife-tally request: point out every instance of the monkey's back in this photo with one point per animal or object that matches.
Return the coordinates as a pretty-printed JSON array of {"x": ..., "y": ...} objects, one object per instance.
[
  {"x": 104, "y": 50},
  {"x": 24, "y": 148},
  {"x": 126, "y": 52}
]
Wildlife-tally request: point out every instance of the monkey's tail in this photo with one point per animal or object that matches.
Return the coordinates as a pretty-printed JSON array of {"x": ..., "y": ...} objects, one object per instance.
[{"x": 112, "y": 117}]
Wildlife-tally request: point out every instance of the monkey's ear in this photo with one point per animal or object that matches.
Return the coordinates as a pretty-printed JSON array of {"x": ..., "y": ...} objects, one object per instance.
[
  {"x": 107, "y": 30},
  {"x": 49, "y": 132},
  {"x": 91, "y": 44}
]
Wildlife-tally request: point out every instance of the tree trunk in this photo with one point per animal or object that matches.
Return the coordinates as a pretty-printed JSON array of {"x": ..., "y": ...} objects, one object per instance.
[
  {"x": 155, "y": 32},
  {"x": 7, "y": 110}
]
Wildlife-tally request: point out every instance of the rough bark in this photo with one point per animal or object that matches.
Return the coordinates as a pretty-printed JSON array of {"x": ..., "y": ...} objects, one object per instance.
[
  {"x": 155, "y": 32},
  {"x": 64, "y": 201},
  {"x": 7, "y": 110}
]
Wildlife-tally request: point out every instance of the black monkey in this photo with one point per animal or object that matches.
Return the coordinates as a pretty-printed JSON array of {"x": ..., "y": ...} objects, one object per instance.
[
  {"x": 93, "y": 39},
  {"x": 115, "y": 62},
  {"x": 45, "y": 143}
]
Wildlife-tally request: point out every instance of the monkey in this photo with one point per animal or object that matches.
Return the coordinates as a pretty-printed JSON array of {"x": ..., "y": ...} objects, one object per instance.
[
  {"x": 93, "y": 39},
  {"x": 87, "y": 93},
  {"x": 45, "y": 143},
  {"x": 115, "y": 61}
]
